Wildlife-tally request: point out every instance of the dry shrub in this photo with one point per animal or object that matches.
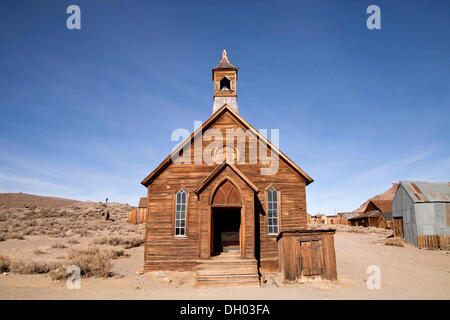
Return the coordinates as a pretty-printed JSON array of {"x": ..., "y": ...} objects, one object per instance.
[
  {"x": 15, "y": 235},
  {"x": 29, "y": 267},
  {"x": 344, "y": 228},
  {"x": 82, "y": 232},
  {"x": 5, "y": 264},
  {"x": 58, "y": 245},
  {"x": 73, "y": 241},
  {"x": 92, "y": 262},
  {"x": 59, "y": 273},
  {"x": 395, "y": 242},
  {"x": 130, "y": 242},
  {"x": 117, "y": 253}
]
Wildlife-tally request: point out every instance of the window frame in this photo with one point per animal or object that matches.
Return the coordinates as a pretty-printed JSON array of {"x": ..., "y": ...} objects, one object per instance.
[
  {"x": 278, "y": 193},
  {"x": 174, "y": 214}
]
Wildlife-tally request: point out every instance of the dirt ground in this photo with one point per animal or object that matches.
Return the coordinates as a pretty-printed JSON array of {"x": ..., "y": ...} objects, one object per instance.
[{"x": 406, "y": 273}]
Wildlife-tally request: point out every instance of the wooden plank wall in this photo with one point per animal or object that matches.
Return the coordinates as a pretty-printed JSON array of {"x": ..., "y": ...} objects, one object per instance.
[
  {"x": 428, "y": 241},
  {"x": 137, "y": 215},
  {"x": 444, "y": 242},
  {"x": 160, "y": 241},
  {"x": 132, "y": 215},
  {"x": 305, "y": 256}
]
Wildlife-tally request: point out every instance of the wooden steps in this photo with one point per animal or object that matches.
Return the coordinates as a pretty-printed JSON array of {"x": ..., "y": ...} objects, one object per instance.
[{"x": 228, "y": 269}]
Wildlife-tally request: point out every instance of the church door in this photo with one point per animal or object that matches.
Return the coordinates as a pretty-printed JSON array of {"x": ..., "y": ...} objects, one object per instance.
[{"x": 226, "y": 218}]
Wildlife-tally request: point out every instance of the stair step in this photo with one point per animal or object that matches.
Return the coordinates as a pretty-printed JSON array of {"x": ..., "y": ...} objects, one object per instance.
[
  {"x": 227, "y": 276},
  {"x": 227, "y": 283},
  {"x": 227, "y": 270}
]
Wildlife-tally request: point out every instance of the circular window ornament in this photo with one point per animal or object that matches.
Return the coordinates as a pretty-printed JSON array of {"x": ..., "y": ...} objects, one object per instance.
[{"x": 222, "y": 153}]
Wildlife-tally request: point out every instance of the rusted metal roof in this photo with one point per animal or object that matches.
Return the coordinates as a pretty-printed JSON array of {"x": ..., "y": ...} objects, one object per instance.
[{"x": 422, "y": 191}]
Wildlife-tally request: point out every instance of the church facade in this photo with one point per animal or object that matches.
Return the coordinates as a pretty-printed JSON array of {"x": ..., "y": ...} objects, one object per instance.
[{"x": 226, "y": 192}]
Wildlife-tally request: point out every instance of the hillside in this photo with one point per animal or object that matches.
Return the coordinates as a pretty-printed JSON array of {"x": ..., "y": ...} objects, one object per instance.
[{"x": 21, "y": 200}]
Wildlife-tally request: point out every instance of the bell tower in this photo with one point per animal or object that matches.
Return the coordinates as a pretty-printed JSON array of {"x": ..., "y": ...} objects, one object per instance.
[{"x": 224, "y": 77}]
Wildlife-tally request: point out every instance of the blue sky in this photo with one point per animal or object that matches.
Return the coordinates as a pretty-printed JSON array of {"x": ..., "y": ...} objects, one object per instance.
[{"x": 88, "y": 113}]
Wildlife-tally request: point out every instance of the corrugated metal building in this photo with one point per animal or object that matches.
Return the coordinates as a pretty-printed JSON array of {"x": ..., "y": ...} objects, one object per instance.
[{"x": 421, "y": 212}]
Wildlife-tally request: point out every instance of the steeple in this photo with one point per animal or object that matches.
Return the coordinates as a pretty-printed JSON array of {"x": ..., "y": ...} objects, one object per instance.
[{"x": 224, "y": 77}]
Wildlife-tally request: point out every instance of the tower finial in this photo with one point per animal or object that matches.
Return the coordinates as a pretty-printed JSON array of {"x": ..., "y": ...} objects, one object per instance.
[{"x": 224, "y": 54}]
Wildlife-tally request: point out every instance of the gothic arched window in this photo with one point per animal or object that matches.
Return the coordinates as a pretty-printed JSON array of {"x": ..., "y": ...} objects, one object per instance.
[
  {"x": 180, "y": 213},
  {"x": 272, "y": 210}
]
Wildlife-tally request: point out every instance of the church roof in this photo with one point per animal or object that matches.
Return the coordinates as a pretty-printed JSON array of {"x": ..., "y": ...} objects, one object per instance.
[{"x": 206, "y": 125}]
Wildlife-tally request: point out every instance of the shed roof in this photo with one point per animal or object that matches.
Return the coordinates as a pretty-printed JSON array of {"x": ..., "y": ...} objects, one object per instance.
[
  {"x": 369, "y": 214},
  {"x": 422, "y": 191},
  {"x": 387, "y": 215},
  {"x": 143, "y": 202},
  {"x": 349, "y": 215},
  {"x": 383, "y": 205}
]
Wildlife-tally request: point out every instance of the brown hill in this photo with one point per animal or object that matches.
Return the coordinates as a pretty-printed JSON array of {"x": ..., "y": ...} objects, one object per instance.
[{"x": 21, "y": 200}]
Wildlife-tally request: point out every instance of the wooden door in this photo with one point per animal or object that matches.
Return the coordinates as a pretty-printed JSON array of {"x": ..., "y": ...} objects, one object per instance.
[
  {"x": 310, "y": 258},
  {"x": 398, "y": 227}
]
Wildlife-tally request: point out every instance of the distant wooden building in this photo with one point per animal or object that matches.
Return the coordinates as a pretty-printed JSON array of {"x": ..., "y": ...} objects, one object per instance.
[
  {"x": 334, "y": 219},
  {"x": 319, "y": 218},
  {"x": 214, "y": 206},
  {"x": 421, "y": 213},
  {"x": 376, "y": 213},
  {"x": 138, "y": 215},
  {"x": 374, "y": 219},
  {"x": 386, "y": 195},
  {"x": 323, "y": 219},
  {"x": 344, "y": 217}
]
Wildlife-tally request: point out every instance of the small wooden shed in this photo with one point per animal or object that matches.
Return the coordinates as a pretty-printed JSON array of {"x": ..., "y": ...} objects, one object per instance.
[
  {"x": 307, "y": 254},
  {"x": 138, "y": 215}
]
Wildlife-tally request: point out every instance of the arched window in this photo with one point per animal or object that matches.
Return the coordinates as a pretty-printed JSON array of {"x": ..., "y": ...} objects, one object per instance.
[
  {"x": 272, "y": 210},
  {"x": 225, "y": 84},
  {"x": 180, "y": 213}
]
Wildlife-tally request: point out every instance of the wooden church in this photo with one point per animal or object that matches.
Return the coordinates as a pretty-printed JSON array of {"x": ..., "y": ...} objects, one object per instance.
[{"x": 220, "y": 207}]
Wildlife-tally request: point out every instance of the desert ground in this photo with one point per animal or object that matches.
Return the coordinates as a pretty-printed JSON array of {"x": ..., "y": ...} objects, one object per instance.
[{"x": 40, "y": 237}]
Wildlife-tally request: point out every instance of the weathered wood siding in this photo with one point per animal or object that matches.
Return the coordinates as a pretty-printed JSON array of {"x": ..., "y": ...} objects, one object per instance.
[
  {"x": 164, "y": 249},
  {"x": 307, "y": 255}
]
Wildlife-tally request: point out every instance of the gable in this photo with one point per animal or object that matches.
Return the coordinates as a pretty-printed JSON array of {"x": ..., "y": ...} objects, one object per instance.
[
  {"x": 217, "y": 171},
  {"x": 224, "y": 118}
]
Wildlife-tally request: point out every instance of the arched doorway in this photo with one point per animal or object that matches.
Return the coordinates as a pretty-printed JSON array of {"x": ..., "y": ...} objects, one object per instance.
[{"x": 226, "y": 226}]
